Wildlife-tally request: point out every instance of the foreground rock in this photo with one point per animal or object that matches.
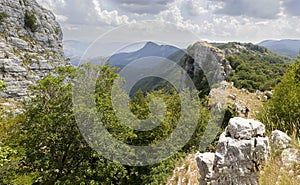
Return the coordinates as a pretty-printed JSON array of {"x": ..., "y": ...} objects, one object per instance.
[
  {"x": 30, "y": 45},
  {"x": 280, "y": 140},
  {"x": 241, "y": 150},
  {"x": 282, "y": 144}
]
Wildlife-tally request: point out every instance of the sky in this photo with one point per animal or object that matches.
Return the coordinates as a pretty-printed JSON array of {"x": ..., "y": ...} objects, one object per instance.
[{"x": 211, "y": 20}]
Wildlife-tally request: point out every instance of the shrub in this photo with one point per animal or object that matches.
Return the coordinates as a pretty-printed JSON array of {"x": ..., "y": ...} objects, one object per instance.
[
  {"x": 3, "y": 15},
  {"x": 30, "y": 21},
  {"x": 2, "y": 85},
  {"x": 283, "y": 110}
]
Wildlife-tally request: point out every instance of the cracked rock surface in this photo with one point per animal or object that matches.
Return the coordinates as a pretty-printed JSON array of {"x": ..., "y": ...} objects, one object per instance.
[
  {"x": 28, "y": 49},
  {"x": 241, "y": 150}
]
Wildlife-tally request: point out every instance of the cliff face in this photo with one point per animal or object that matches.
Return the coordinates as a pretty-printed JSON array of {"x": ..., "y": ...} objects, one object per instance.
[{"x": 30, "y": 45}]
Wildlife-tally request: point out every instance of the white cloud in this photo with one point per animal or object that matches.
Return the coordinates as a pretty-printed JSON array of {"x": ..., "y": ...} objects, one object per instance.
[
  {"x": 174, "y": 16},
  {"x": 266, "y": 9},
  {"x": 194, "y": 8},
  {"x": 241, "y": 20},
  {"x": 109, "y": 17},
  {"x": 83, "y": 12},
  {"x": 141, "y": 6}
]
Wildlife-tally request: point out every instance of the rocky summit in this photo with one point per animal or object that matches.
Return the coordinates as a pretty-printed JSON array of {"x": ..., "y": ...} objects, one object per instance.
[{"x": 30, "y": 45}]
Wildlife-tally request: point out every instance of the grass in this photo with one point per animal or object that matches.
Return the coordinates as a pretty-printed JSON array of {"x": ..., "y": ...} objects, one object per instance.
[
  {"x": 186, "y": 173},
  {"x": 274, "y": 174}
]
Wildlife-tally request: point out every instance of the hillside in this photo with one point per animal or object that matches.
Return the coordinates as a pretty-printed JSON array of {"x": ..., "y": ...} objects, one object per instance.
[
  {"x": 286, "y": 47},
  {"x": 254, "y": 67}
]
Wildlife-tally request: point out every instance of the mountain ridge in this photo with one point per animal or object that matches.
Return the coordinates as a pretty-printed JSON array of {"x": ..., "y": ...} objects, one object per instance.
[{"x": 288, "y": 47}]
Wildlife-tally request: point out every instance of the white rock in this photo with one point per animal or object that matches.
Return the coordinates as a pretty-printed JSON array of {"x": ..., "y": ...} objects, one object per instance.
[
  {"x": 290, "y": 156},
  {"x": 242, "y": 149},
  {"x": 205, "y": 162},
  {"x": 280, "y": 140},
  {"x": 241, "y": 128}
]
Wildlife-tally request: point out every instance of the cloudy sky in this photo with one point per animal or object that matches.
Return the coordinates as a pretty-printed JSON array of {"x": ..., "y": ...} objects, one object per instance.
[{"x": 213, "y": 20}]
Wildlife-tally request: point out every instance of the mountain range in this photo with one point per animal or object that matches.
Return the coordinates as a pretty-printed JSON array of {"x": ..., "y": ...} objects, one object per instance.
[
  {"x": 286, "y": 47},
  {"x": 75, "y": 49}
]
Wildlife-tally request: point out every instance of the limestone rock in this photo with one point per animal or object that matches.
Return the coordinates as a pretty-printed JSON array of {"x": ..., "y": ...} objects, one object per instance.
[
  {"x": 290, "y": 156},
  {"x": 27, "y": 55},
  {"x": 205, "y": 162},
  {"x": 241, "y": 150},
  {"x": 240, "y": 128},
  {"x": 280, "y": 140},
  {"x": 210, "y": 60}
]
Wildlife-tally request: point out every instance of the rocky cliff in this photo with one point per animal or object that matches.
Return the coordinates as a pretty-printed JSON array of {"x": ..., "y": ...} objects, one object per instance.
[
  {"x": 30, "y": 45},
  {"x": 208, "y": 59}
]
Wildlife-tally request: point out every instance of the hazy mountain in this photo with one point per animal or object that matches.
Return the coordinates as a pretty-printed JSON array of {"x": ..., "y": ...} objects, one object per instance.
[
  {"x": 74, "y": 50},
  {"x": 284, "y": 47},
  {"x": 150, "y": 49}
]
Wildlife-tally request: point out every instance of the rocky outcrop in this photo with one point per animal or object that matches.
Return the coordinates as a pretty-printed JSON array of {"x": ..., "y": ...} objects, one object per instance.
[
  {"x": 210, "y": 60},
  {"x": 241, "y": 150},
  {"x": 30, "y": 45},
  {"x": 282, "y": 143},
  {"x": 280, "y": 140}
]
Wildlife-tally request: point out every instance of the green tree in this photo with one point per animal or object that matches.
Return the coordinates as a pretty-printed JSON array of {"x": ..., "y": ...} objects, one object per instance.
[
  {"x": 55, "y": 148},
  {"x": 51, "y": 150},
  {"x": 282, "y": 111}
]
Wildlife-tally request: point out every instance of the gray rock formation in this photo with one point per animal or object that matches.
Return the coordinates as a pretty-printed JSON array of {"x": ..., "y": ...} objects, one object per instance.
[
  {"x": 210, "y": 60},
  {"x": 30, "y": 45},
  {"x": 241, "y": 150}
]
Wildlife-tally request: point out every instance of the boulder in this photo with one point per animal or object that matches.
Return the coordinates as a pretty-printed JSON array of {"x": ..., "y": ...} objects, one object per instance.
[
  {"x": 240, "y": 128},
  {"x": 241, "y": 150},
  {"x": 205, "y": 162},
  {"x": 269, "y": 94},
  {"x": 290, "y": 156},
  {"x": 280, "y": 140}
]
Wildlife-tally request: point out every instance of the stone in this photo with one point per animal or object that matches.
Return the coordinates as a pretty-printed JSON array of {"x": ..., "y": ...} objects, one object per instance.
[
  {"x": 280, "y": 140},
  {"x": 7, "y": 104},
  {"x": 205, "y": 162},
  {"x": 241, "y": 128},
  {"x": 290, "y": 156},
  {"x": 242, "y": 148},
  {"x": 269, "y": 94}
]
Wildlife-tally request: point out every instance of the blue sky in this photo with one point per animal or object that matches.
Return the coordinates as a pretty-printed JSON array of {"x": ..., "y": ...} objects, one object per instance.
[{"x": 212, "y": 20}]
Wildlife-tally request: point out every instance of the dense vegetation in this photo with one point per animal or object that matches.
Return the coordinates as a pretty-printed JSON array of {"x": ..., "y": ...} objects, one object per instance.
[
  {"x": 44, "y": 145},
  {"x": 254, "y": 67},
  {"x": 283, "y": 110}
]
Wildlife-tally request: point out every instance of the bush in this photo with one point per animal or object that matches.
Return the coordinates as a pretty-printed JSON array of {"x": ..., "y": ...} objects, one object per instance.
[
  {"x": 283, "y": 110},
  {"x": 3, "y": 15},
  {"x": 30, "y": 21},
  {"x": 2, "y": 85}
]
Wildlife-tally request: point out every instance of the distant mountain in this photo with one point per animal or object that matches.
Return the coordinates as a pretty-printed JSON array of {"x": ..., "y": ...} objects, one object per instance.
[
  {"x": 74, "y": 49},
  {"x": 284, "y": 47},
  {"x": 150, "y": 49}
]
